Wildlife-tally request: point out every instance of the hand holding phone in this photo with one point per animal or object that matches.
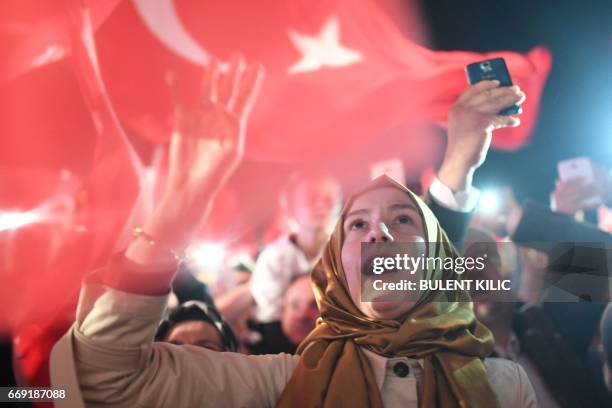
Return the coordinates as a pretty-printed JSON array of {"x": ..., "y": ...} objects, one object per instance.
[
  {"x": 493, "y": 69},
  {"x": 578, "y": 186},
  {"x": 471, "y": 122},
  {"x": 578, "y": 168}
]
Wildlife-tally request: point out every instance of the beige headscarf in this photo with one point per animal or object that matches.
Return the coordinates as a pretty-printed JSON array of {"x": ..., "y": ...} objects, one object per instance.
[{"x": 333, "y": 370}]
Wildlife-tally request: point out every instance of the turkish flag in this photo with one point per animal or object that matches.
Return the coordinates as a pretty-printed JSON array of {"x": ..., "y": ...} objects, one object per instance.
[
  {"x": 342, "y": 80},
  {"x": 33, "y": 33},
  {"x": 339, "y": 73},
  {"x": 69, "y": 182}
]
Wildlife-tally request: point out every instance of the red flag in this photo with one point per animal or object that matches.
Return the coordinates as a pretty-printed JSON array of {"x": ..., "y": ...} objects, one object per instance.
[
  {"x": 341, "y": 79},
  {"x": 339, "y": 73},
  {"x": 71, "y": 180},
  {"x": 33, "y": 33}
]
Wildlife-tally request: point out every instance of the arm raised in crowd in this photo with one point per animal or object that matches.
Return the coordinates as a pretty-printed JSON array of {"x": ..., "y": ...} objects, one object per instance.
[
  {"x": 533, "y": 224},
  {"x": 578, "y": 253},
  {"x": 108, "y": 357},
  {"x": 205, "y": 149},
  {"x": 471, "y": 122}
]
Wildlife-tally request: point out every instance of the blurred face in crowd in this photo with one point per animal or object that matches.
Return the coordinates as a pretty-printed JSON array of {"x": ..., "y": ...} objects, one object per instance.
[
  {"x": 492, "y": 308},
  {"x": 300, "y": 310},
  {"x": 314, "y": 203},
  {"x": 383, "y": 214},
  {"x": 196, "y": 333}
]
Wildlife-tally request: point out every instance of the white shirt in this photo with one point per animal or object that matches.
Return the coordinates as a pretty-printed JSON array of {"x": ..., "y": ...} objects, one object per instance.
[
  {"x": 276, "y": 266},
  {"x": 283, "y": 260},
  {"x": 108, "y": 359}
]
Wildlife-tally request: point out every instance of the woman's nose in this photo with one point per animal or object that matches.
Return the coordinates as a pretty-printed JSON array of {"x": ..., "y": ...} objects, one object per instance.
[{"x": 380, "y": 233}]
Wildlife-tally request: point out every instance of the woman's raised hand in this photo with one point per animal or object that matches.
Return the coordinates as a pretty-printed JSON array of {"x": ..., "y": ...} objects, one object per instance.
[
  {"x": 208, "y": 142},
  {"x": 206, "y": 147},
  {"x": 471, "y": 122}
]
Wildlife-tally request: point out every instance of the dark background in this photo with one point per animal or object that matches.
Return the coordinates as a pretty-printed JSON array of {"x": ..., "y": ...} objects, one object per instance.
[{"x": 576, "y": 109}]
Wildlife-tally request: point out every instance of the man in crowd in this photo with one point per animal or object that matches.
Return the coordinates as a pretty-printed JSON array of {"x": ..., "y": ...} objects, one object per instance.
[
  {"x": 313, "y": 200},
  {"x": 552, "y": 340},
  {"x": 298, "y": 316},
  {"x": 529, "y": 336}
]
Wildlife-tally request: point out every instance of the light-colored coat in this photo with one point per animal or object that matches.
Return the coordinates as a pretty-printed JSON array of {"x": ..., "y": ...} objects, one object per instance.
[{"x": 108, "y": 358}]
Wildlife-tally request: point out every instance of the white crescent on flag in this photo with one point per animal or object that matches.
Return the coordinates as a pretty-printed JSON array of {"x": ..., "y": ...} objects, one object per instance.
[
  {"x": 318, "y": 51},
  {"x": 162, "y": 20}
]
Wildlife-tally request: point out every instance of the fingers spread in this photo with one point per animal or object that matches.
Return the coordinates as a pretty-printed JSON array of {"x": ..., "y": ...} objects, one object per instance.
[
  {"x": 175, "y": 93},
  {"x": 209, "y": 82},
  {"x": 248, "y": 90},
  {"x": 229, "y": 81}
]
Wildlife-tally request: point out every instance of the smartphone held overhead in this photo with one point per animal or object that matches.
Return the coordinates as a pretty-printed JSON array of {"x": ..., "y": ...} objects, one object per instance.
[
  {"x": 577, "y": 168},
  {"x": 489, "y": 70},
  {"x": 584, "y": 170}
]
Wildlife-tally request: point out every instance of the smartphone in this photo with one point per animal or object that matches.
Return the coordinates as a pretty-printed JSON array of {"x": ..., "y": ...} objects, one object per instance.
[
  {"x": 577, "y": 168},
  {"x": 580, "y": 168},
  {"x": 489, "y": 70}
]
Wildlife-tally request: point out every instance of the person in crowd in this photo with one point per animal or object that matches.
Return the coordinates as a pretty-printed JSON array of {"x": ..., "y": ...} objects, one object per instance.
[
  {"x": 298, "y": 318},
  {"x": 313, "y": 199},
  {"x": 526, "y": 334},
  {"x": 575, "y": 195},
  {"x": 197, "y": 324},
  {"x": 532, "y": 222},
  {"x": 523, "y": 266},
  {"x": 195, "y": 319},
  {"x": 576, "y": 283},
  {"x": 186, "y": 287},
  {"x": 532, "y": 270},
  {"x": 300, "y": 310},
  {"x": 361, "y": 353},
  {"x": 236, "y": 304}
]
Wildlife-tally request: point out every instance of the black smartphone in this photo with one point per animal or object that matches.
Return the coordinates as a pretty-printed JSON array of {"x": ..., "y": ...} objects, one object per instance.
[{"x": 489, "y": 70}]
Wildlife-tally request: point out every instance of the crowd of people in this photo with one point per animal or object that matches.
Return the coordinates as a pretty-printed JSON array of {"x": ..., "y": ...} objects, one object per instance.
[{"x": 295, "y": 331}]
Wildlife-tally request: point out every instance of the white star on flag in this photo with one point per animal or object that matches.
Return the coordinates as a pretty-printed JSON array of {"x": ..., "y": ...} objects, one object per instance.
[{"x": 323, "y": 50}]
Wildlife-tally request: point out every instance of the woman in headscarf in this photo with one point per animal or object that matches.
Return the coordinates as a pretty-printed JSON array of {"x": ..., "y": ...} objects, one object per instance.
[
  {"x": 442, "y": 334},
  {"x": 428, "y": 353}
]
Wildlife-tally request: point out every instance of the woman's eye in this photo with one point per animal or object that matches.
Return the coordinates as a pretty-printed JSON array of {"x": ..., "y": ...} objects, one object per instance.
[
  {"x": 358, "y": 224},
  {"x": 404, "y": 219}
]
